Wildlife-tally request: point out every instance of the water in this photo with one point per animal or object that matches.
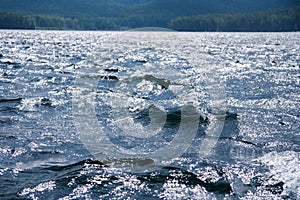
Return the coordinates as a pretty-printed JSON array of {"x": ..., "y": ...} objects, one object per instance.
[{"x": 124, "y": 84}]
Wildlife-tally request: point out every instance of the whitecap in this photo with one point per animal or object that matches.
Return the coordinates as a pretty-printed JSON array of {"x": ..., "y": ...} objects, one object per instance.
[{"x": 284, "y": 167}]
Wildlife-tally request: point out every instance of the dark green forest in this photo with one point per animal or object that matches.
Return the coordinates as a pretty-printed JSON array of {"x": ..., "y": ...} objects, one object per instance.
[
  {"x": 122, "y": 8},
  {"x": 275, "y": 20},
  {"x": 188, "y": 15}
]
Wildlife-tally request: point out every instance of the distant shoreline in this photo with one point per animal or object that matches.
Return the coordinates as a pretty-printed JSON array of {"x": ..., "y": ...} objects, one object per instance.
[
  {"x": 278, "y": 20},
  {"x": 62, "y": 30}
]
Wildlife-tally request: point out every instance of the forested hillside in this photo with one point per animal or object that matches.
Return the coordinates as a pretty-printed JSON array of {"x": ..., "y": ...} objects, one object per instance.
[
  {"x": 193, "y": 15},
  {"x": 114, "y": 8},
  {"x": 275, "y": 20}
]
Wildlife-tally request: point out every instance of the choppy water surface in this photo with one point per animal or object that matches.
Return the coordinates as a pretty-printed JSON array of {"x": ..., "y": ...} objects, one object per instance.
[{"x": 42, "y": 154}]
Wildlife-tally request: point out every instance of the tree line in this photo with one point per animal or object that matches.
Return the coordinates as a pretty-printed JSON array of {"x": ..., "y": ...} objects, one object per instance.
[
  {"x": 273, "y": 20},
  {"x": 49, "y": 22}
]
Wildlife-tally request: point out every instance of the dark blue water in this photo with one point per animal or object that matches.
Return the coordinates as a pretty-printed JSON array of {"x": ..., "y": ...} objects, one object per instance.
[{"x": 49, "y": 81}]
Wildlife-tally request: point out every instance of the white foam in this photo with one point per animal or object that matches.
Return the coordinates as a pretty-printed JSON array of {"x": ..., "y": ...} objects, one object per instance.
[
  {"x": 285, "y": 167},
  {"x": 29, "y": 104}
]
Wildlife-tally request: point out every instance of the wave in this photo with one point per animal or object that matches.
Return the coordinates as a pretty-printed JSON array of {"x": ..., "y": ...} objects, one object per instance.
[
  {"x": 11, "y": 100},
  {"x": 165, "y": 174}
]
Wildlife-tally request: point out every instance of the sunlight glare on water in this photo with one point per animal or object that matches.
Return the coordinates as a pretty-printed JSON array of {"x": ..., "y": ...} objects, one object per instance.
[{"x": 42, "y": 155}]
